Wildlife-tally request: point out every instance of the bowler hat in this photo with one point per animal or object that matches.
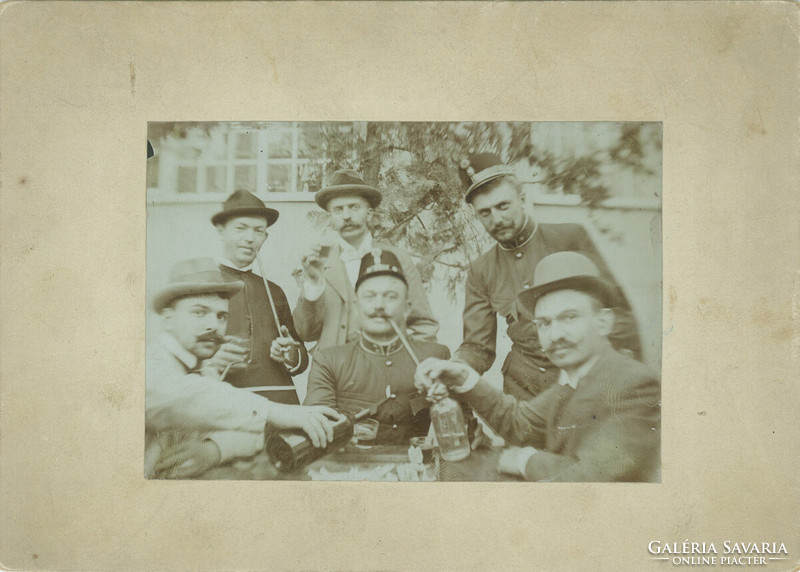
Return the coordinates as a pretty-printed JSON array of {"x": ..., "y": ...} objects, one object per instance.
[
  {"x": 196, "y": 276},
  {"x": 567, "y": 271},
  {"x": 347, "y": 182},
  {"x": 380, "y": 262},
  {"x": 242, "y": 203},
  {"x": 477, "y": 170}
]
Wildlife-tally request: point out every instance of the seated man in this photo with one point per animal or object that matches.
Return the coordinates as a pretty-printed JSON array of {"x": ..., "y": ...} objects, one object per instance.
[
  {"x": 601, "y": 421},
  {"x": 194, "y": 421},
  {"x": 376, "y": 371}
]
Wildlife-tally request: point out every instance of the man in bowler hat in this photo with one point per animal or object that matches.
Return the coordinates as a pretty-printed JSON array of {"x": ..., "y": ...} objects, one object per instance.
[
  {"x": 327, "y": 310},
  {"x": 376, "y": 371},
  {"x": 260, "y": 322},
  {"x": 496, "y": 276},
  {"x": 193, "y": 420},
  {"x": 601, "y": 420}
]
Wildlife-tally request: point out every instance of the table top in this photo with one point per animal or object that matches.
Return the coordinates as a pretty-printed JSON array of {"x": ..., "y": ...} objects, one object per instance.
[{"x": 356, "y": 463}]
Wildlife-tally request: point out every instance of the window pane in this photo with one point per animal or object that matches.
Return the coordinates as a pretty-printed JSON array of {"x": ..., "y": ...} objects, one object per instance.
[
  {"x": 280, "y": 143},
  {"x": 310, "y": 142},
  {"x": 245, "y": 178},
  {"x": 187, "y": 179},
  {"x": 215, "y": 179},
  {"x": 245, "y": 145},
  {"x": 278, "y": 178}
]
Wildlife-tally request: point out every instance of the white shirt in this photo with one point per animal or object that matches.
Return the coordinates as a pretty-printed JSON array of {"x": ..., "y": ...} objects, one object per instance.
[{"x": 352, "y": 256}]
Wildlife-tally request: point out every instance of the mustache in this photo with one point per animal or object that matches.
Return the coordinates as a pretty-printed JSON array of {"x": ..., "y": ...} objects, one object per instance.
[
  {"x": 558, "y": 346},
  {"x": 211, "y": 337},
  {"x": 500, "y": 227}
]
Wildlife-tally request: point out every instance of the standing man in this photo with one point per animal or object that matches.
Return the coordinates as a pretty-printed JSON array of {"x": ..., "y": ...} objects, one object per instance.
[
  {"x": 262, "y": 319},
  {"x": 601, "y": 421},
  {"x": 193, "y": 420},
  {"x": 327, "y": 310},
  {"x": 376, "y": 371},
  {"x": 497, "y": 275}
]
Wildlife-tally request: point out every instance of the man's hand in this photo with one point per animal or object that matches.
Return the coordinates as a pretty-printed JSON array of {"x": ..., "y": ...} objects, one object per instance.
[
  {"x": 313, "y": 261},
  {"x": 315, "y": 420},
  {"x": 514, "y": 459},
  {"x": 188, "y": 459},
  {"x": 232, "y": 353},
  {"x": 285, "y": 349},
  {"x": 450, "y": 373}
]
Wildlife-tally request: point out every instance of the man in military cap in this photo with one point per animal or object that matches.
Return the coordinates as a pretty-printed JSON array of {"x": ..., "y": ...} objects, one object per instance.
[
  {"x": 376, "y": 371},
  {"x": 260, "y": 321},
  {"x": 327, "y": 311},
  {"x": 193, "y": 420},
  {"x": 496, "y": 276},
  {"x": 601, "y": 420}
]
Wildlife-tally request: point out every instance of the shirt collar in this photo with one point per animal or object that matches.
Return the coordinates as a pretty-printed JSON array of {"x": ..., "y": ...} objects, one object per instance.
[
  {"x": 229, "y": 264},
  {"x": 379, "y": 348},
  {"x": 173, "y": 346},
  {"x": 349, "y": 253},
  {"x": 525, "y": 235},
  {"x": 565, "y": 379}
]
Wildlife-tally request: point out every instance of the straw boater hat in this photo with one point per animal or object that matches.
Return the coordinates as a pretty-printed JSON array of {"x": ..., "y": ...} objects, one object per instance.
[
  {"x": 242, "y": 203},
  {"x": 194, "y": 277},
  {"x": 380, "y": 263},
  {"x": 347, "y": 182},
  {"x": 567, "y": 271},
  {"x": 477, "y": 170}
]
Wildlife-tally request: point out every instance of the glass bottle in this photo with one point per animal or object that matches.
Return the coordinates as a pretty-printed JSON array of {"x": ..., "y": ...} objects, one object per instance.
[{"x": 451, "y": 429}]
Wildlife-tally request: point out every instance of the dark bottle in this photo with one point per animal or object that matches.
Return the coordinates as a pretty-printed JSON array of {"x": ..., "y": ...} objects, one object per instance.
[{"x": 291, "y": 450}]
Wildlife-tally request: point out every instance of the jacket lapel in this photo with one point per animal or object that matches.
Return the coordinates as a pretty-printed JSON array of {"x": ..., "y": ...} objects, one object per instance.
[{"x": 337, "y": 275}]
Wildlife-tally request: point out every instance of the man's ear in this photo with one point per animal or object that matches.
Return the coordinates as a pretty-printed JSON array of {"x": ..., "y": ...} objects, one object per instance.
[
  {"x": 606, "y": 319},
  {"x": 407, "y": 309}
]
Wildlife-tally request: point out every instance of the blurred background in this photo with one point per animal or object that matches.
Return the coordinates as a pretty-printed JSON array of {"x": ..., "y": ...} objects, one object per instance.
[{"x": 604, "y": 175}]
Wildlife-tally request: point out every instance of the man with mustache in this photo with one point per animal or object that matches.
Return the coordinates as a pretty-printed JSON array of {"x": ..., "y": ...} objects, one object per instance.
[
  {"x": 376, "y": 371},
  {"x": 273, "y": 352},
  {"x": 327, "y": 310},
  {"x": 601, "y": 420},
  {"x": 496, "y": 276},
  {"x": 193, "y": 420}
]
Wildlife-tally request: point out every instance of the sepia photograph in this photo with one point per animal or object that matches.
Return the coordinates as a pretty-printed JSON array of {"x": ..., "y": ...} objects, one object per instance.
[{"x": 397, "y": 301}]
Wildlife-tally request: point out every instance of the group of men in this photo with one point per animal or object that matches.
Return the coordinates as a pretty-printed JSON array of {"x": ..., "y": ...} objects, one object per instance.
[{"x": 576, "y": 404}]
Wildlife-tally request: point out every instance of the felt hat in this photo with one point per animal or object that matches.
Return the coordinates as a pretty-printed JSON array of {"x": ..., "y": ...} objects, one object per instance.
[
  {"x": 347, "y": 182},
  {"x": 196, "y": 276},
  {"x": 380, "y": 262},
  {"x": 243, "y": 203},
  {"x": 567, "y": 271},
  {"x": 477, "y": 170}
]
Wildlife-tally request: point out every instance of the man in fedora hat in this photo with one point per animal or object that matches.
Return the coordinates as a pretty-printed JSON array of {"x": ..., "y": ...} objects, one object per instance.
[
  {"x": 193, "y": 420},
  {"x": 327, "y": 310},
  {"x": 601, "y": 420},
  {"x": 377, "y": 371},
  {"x": 260, "y": 319},
  {"x": 496, "y": 276}
]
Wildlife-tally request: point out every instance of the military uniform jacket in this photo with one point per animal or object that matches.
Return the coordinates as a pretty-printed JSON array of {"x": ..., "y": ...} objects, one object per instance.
[
  {"x": 350, "y": 378},
  {"x": 493, "y": 282},
  {"x": 334, "y": 318},
  {"x": 609, "y": 429}
]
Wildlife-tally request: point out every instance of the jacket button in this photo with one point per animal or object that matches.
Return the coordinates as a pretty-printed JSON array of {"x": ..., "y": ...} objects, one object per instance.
[
  {"x": 388, "y": 362},
  {"x": 518, "y": 255},
  {"x": 343, "y": 326},
  {"x": 394, "y": 426}
]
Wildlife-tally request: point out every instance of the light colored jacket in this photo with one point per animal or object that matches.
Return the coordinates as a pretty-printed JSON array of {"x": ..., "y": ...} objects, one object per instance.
[
  {"x": 195, "y": 406},
  {"x": 334, "y": 318}
]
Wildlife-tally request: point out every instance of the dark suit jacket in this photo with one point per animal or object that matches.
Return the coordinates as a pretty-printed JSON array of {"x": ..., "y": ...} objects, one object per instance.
[
  {"x": 609, "y": 429},
  {"x": 334, "y": 318}
]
